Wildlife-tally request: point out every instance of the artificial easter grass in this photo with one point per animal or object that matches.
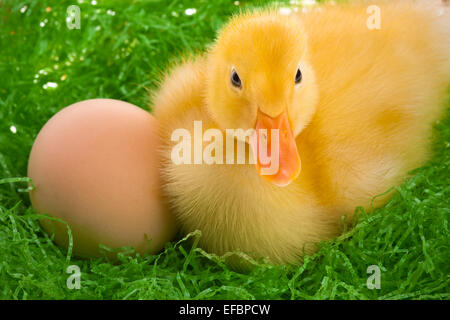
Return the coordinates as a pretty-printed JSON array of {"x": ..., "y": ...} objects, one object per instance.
[{"x": 119, "y": 53}]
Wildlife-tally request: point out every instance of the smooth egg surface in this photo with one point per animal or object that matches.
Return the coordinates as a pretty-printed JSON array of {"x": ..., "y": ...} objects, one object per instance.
[{"x": 95, "y": 165}]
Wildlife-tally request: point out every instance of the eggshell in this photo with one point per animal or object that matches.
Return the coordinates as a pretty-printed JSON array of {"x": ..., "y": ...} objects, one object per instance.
[{"x": 95, "y": 166}]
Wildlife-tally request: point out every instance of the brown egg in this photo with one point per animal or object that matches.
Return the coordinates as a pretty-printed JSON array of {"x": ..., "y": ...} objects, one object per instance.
[{"x": 95, "y": 166}]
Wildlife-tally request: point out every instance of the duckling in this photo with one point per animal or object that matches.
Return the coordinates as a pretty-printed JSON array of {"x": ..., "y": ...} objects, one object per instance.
[{"x": 353, "y": 107}]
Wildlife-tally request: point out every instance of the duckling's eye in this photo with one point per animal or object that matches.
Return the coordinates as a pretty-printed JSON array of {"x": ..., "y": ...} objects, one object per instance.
[
  {"x": 235, "y": 80},
  {"x": 298, "y": 76}
]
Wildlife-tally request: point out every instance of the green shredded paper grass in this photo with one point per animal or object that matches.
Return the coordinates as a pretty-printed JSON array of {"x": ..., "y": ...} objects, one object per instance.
[{"x": 119, "y": 52}]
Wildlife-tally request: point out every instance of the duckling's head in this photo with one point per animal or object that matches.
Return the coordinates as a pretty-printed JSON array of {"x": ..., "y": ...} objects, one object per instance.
[{"x": 259, "y": 77}]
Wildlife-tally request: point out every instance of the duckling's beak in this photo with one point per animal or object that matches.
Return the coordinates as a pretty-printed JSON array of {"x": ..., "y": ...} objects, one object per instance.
[{"x": 275, "y": 150}]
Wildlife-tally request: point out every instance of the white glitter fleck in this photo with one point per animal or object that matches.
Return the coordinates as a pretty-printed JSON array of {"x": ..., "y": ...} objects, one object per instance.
[
  {"x": 23, "y": 9},
  {"x": 50, "y": 85},
  {"x": 110, "y": 12},
  {"x": 13, "y": 129},
  {"x": 94, "y": 3},
  {"x": 42, "y": 24},
  {"x": 190, "y": 11},
  {"x": 285, "y": 11},
  {"x": 236, "y": 3},
  {"x": 308, "y": 2}
]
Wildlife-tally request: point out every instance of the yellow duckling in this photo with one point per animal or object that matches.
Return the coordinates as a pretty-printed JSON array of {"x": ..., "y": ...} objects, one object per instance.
[{"x": 353, "y": 107}]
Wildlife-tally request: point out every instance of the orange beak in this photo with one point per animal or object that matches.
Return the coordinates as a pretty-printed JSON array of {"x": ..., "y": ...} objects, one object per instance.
[{"x": 275, "y": 150}]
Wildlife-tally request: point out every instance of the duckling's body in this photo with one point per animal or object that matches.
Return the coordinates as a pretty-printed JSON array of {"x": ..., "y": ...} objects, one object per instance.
[{"x": 364, "y": 121}]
